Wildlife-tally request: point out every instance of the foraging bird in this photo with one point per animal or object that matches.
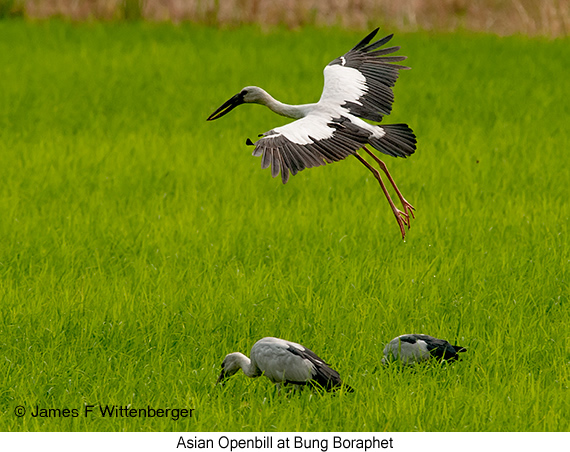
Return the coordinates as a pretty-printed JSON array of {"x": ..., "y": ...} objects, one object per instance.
[
  {"x": 358, "y": 86},
  {"x": 283, "y": 362},
  {"x": 414, "y": 348}
]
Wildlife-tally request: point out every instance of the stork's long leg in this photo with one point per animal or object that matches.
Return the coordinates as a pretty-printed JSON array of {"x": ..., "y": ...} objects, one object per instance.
[
  {"x": 401, "y": 217},
  {"x": 408, "y": 208}
]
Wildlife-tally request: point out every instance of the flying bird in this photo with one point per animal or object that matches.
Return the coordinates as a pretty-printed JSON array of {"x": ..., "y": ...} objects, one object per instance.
[
  {"x": 284, "y": 363},
  {"x": 358, "y": 87},
  {"x": 414, "y": 348}
]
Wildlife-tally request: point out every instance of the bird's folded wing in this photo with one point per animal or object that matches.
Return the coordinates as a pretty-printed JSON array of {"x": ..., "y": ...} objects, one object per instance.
[
  {"x": 321, "y": 372},
  {"x": 438, "y": 348},
  {"x": 361, "y": 80}
]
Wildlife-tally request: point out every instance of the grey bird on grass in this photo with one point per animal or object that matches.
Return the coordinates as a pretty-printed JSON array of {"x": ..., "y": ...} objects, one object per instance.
[
  {"x": 411, "y": 349},
  {"x": 284, "y": 363}
]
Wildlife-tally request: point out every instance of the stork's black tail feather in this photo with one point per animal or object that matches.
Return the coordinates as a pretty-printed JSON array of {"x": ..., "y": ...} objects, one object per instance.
[{"x": 398, "y": 140}]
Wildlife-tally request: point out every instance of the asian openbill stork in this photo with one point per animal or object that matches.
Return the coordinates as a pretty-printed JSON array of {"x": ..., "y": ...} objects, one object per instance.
[
  {"x": 357, "y": 87},
  {"x": 414, "y": 348},
  {"x": 284, "y": 363}
]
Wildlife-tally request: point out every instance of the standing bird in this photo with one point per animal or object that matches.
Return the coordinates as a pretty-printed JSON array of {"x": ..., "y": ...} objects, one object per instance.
[
  {"x": 414, "y": 348},
  {"x": 283, "y": 362},
  {"x": 358, "y": 86}
]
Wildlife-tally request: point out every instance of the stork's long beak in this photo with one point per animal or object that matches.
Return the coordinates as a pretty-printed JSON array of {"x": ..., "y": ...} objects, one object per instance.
[
  {"x": 222, "y": 378},
  {"x": 227, "y": 106}
]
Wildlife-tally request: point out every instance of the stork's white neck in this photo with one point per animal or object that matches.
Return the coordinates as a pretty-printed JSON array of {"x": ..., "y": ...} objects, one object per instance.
[
  {"x": 245, "y": 363},
  {"x": 290, "y": 111}
]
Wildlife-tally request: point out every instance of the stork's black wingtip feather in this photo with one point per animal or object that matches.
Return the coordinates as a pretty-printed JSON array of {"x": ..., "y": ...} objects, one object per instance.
[
  {"x": 367, "y": 39},
  {"x": 249, "y": 142}
]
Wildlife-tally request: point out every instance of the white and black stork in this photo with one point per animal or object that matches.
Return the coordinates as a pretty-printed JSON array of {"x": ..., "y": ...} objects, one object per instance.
[
  {"x": 358, "y": 87},
  {"x": 414, "y": 348},
  {"x": 284, "y": 363}
]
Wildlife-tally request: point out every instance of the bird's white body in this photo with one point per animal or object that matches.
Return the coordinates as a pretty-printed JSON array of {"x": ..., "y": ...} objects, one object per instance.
[
  {"x": 283, "y": 362},
  {"x": 411, "y": 349},
  {"x": 406, "y": 352},
  {"x": 273, "y": 357}
]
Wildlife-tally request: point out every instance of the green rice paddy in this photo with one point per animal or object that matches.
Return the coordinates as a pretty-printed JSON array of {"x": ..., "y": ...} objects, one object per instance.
[{"x": 139, "y": 244}]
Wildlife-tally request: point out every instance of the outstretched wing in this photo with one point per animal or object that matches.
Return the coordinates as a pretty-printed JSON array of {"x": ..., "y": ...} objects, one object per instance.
[
  {"x": 307, "y": 142},
  {"x": 361, "y": 80}
]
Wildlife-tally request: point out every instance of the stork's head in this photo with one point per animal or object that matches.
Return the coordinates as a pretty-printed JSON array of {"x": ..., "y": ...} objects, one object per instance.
[
  {"x": 248, "y": 95},
  {"x": 230, "y": 366}
]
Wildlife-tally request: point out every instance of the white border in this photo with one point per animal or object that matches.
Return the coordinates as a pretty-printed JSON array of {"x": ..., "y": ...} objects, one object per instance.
[{"x": 313, "y": 442}]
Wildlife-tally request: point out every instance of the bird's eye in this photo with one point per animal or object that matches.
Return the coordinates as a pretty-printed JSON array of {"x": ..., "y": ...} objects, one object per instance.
[{"x": 243, "y": 92}]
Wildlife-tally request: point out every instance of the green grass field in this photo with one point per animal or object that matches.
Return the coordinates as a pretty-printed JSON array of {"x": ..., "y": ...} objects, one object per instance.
[{"x": 139, "y": 244}]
